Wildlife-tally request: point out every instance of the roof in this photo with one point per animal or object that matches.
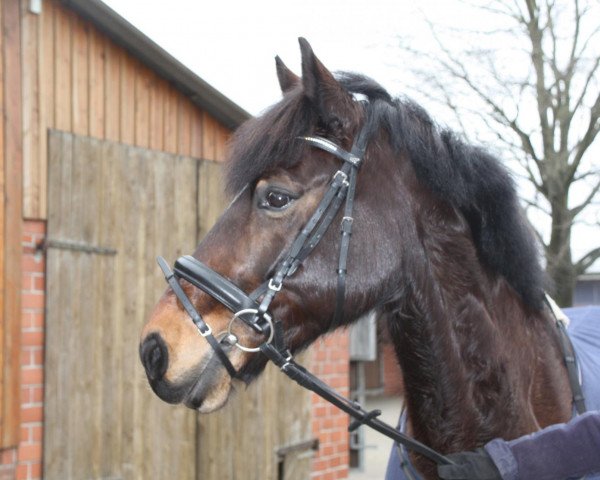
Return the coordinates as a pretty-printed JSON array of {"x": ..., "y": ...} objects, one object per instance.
[{"x": 153, "y": 56}]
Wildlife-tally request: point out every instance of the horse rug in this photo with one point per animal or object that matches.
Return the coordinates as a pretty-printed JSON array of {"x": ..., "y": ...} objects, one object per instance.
[{"x": 584, "y": 332}]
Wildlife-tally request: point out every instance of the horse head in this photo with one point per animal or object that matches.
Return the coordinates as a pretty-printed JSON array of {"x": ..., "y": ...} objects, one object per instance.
[
  {"x": 437, "y": 237},
  {"x": 277, "y": 181}
]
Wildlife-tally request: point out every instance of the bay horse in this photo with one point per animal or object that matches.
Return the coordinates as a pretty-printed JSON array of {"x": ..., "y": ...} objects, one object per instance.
[{"x": 439, "y": 246}]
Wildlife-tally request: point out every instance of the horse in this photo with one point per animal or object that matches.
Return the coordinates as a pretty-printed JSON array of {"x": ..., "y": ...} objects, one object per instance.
[{"x": 439, "y": 246}]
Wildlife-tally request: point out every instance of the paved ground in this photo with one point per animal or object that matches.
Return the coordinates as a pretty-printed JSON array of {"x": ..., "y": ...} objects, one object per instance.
[{"x": 378, "y": 446}]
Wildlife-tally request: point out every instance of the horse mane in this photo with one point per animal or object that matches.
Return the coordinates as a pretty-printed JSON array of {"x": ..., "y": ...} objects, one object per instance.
[{"x": 467, "y": 176}]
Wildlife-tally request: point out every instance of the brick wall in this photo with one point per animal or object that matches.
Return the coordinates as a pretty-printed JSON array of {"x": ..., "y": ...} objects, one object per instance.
[
  {"x": 331, "y": 364},
  {"x": 25, "y": 461}
]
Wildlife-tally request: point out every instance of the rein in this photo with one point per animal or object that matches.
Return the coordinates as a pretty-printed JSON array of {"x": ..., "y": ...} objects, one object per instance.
[{"x": 254, "y": 313}]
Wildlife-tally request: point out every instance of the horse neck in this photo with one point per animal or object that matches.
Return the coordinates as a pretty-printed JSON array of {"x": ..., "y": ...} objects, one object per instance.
[{"x": 469, "y": 350}]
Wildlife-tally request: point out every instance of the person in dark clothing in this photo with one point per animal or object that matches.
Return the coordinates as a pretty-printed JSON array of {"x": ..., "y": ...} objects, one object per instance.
[{"x": 558, "y": 452}]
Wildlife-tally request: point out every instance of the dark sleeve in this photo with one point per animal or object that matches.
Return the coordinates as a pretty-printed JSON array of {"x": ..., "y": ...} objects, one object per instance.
[{"x": 555, "y": 453}]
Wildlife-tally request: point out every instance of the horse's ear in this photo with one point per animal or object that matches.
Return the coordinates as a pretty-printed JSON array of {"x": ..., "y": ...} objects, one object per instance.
[
  {"x": 287, "y": 78},
  {"x": 334, "y": 104}
]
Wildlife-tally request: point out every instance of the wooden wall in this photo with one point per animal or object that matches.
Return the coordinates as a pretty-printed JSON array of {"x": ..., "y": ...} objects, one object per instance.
[
  {"x": 125, "y": 205},
  {"x": 77, "y": 80},
  {"x": 11, "y": 156},
  {"x": 101, "y": 419}
]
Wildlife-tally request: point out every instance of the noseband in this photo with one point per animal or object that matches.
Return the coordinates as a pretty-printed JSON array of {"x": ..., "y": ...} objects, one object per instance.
[{"x": 253, "y": 309}]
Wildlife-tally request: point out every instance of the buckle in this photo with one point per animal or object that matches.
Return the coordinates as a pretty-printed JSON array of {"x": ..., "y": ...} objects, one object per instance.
[
  {"x": 354, "y": 160},
  {"x": 344, "y": 178},
  {"x": 347, "y": 225},
  {"x": 273, "y": 286},
  {"x": 206, "y": 332}
]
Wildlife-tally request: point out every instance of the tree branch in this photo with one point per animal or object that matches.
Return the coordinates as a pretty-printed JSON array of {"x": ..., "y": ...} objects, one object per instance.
[
  {"x": 587, "y": 260},
  {"x": 590, "y": 134},
  {"x": 579, "y": 208},
  {"x": 537, "y": 57}
]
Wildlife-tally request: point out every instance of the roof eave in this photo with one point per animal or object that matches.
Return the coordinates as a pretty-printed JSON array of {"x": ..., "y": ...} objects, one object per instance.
[{"x": 153, "y": 56}]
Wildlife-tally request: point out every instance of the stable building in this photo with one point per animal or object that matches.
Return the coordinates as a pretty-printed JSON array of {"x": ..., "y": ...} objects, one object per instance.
[{"x": 110, "y": 155}]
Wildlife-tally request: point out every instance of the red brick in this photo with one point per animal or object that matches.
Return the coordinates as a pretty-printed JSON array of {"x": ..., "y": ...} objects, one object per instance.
[
  {"x": 32, "y": 414},
  {"x": 32, "y": 356},
  {"x": 34, "y": 226},
  {"x": 8, "y": 456},
  {"x": 328, "y": 423},
  {"x": 26, "y": 281},
  {"x": 26, "y": 358},
  {"x": 36, "y": 470},
  {"x": 28, "y": 239},
  {"x": 32, "y": 338},
  {"x": 32, "y": 376},
  {"x": 24, "y": 435},
  {"x": 37, "y": 354},
  {"x": 319, "y": 465},
  {"x": 30, "y": 452},
  {"x": 31, "y": 433},
  {"x": 32, "y": 300},
  {"x": 327, "y": 450},
  {"x": 342, "y": 473},
  {"x": 39, "y": 283},
  {"x": 341, "y": 421},
  {"x": 37, "y": 432},
  {"x": 32, "y": 394},
  {"x": 22, "y": 472},
  {"x": 33, "y": 319},
  {"x": 32, "y": 263},
  {"x": 37, "y": 394}
]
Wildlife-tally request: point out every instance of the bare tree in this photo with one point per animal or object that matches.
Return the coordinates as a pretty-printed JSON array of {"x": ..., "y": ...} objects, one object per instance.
[{"x": 534, "y": 75}]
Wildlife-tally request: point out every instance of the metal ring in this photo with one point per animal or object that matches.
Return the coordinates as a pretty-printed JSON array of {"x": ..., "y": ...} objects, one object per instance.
[{"x": 267, "y": 317}]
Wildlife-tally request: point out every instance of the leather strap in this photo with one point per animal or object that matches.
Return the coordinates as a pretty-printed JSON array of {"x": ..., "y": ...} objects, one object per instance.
[
  {"x": 572, "y": 368},
  {"x": 346, "y": 230},
  {"x": 568, "y": 354},
  {"x": 201, "y": 325},
  {"x": 306, "y": 379}
]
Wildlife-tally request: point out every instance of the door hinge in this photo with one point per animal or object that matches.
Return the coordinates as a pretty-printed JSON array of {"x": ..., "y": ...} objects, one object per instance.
[{"x": 74, "y": 246}]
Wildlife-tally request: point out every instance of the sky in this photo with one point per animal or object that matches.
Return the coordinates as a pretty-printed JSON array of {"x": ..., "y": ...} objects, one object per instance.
[{"x": 232, "y": 46}]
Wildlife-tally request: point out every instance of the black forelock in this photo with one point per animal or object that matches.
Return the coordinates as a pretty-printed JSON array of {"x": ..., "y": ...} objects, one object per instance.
[
  {"x": 467, "y": 176},
  {"x": 269, "y": 141}
]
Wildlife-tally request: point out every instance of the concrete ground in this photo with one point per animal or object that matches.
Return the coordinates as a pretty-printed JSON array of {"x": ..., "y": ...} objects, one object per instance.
[{"x": 378, "y": 447}]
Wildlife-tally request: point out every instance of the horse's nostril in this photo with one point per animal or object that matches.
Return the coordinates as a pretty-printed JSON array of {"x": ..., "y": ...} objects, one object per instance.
[{"x": 155, "y": 356}]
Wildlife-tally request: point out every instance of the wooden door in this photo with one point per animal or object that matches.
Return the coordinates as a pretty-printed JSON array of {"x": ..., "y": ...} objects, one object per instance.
[{"x": 112, "y": 209}]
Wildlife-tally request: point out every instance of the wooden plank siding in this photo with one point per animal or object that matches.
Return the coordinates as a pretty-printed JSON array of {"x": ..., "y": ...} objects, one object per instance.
[
  {"x": 272, "y": 413},
  {"x": 11, "y": 149},
  {"x": 78, "y": 80},
  {"x": 101, "y": 419}
]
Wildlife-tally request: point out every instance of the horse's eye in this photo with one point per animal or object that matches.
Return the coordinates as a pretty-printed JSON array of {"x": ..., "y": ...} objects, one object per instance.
[{"x": 276, "y": 200}]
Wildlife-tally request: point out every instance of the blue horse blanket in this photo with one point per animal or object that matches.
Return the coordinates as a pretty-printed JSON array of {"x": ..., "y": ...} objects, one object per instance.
[{"x": 584, "y": 331}]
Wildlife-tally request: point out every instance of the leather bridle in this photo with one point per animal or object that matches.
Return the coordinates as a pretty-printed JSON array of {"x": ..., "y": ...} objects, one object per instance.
[{"x": 253, "y": 309}]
